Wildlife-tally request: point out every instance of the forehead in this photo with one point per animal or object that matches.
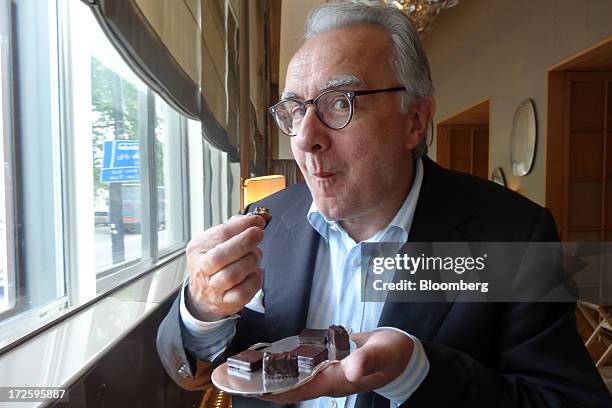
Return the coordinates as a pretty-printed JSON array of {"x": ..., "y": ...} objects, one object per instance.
[{"x": 360, "y": 51}]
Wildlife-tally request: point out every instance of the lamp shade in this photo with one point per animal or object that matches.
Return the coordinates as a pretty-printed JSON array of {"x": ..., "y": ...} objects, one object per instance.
[{"x": 257, "y": 188}]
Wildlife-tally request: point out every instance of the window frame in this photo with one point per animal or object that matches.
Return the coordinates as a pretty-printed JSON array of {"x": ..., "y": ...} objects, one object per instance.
[
  {"x": 6, "y": 106},
  {"x": 181, "y": 139},
  {"x": 16, "y": 323}
]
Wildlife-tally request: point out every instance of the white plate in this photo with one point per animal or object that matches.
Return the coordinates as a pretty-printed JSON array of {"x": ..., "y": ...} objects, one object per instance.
[{"x": 253, "y": 385}]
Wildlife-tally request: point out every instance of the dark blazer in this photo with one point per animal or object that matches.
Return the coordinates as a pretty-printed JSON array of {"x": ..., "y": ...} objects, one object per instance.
[{"x": 480, "y": 354}]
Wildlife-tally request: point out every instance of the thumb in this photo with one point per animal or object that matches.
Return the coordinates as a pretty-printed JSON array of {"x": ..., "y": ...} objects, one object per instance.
[{"x": 361, "y": 363}]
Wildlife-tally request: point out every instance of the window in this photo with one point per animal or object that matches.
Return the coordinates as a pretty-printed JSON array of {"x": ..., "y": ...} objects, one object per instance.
[
  {"x": 169, "y": 174},
  {"x": 221, "y": 186},
  {"x": 31, "y": 92},
  {"x": 118, "y": 121},
  {"x": 103, "y": 166}
]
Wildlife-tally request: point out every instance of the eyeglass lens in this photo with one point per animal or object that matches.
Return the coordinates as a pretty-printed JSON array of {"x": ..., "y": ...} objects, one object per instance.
[{"x": 333, "y": 109}]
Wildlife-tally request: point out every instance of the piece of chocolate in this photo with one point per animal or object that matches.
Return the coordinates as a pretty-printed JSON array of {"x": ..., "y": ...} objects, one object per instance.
[
  {"x": 280, "y": 365},
  {"x": 310, "y": 356},
  {"x": 338, "y": 337},
  {"x": 247, "y": 360},
  {"x": 335, "y": 354},
  {"x": 245, "y": 375},
  {"x": 313, "y": 336},
  {"x": 262, "y": 212}
]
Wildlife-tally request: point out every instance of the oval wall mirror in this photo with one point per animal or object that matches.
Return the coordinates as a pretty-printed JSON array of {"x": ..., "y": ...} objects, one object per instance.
[
  {"x": 498, "y": 176},
  {"x": 523, "y": 139}
]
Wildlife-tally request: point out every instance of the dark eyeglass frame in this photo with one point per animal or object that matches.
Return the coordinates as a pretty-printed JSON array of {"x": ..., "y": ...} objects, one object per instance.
[{"x": 350, "y": 95}]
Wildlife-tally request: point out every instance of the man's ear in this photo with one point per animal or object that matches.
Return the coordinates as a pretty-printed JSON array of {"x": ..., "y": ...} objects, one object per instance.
[{"x": 417, "y": 120}]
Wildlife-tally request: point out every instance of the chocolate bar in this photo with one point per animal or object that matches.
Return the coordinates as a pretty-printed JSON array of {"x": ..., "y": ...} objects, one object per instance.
[
  {"x": 245, "y": 375},
  {"x": 338, "y": 337},
  {"x": 310, "y": 356},
  {"x": 313, "y": 336},
  {"x": 335, "y": 354},
  {"x": 247, "y": 360},
  {"x": 280, "y": 365}
]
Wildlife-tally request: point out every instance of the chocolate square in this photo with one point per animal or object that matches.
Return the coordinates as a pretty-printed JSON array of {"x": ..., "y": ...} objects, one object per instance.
[
  {"x": 245, "y": 375},
  {"x": 262, "y": 212},
  {"x": 335, "y": 354},
  {"x": 247, "y": 360},
  {"x": 313, "y": 336},
  {"x": 338, "y": 337},
  {"x": 280, "y": 365},
  {"x": 310, "y": 356}
]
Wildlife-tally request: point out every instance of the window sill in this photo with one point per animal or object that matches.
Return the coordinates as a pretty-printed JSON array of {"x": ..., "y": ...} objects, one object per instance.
[{"x": 61, "y": 354}]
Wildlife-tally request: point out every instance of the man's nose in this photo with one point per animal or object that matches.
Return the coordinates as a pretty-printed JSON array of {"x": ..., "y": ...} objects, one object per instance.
[{"x": 313, "y": 136}]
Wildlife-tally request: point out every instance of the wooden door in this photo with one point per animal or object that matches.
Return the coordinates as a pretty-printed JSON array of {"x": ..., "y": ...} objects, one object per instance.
[
  {"x": 464, "y": 148},
  {"x": 588, "y": 157}
]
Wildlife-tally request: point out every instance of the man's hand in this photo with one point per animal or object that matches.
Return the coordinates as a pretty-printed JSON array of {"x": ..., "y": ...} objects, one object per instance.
[
  {"x": 380, "y": 357},
  {"x": 223, "y": 264}
]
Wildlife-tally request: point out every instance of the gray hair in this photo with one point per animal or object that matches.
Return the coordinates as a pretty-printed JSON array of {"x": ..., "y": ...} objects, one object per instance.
[{"x": 408, "y": 58}]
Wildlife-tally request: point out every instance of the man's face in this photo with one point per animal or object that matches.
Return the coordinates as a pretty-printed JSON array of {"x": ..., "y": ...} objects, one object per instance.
[{"x": 354, "y": 171}]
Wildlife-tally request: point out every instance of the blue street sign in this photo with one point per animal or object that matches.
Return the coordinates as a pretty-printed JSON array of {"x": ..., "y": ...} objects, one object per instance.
[{"x": 121, "y": 161}]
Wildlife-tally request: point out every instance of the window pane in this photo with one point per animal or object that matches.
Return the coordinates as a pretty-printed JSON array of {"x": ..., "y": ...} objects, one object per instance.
[
  {"x": 36, "y": 88},
  {"x": 119, "y": 115},
  {"x": 168, "y": 175}
]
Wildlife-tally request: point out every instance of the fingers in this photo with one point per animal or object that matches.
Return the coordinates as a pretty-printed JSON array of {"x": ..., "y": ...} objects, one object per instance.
[
  {"x": 235, "y": 272},
  {"x": 361, "y": 363},
  {"x": 246, "y": 289},
  {"x": 329, "y": 382},
  {"x": 222, "y": 232},
  {"x": 382, "y": 357},
  {"x": 223, "y": 264},
  {"x": 209, "y": 261},
  {"x": 360, "y": 338}
]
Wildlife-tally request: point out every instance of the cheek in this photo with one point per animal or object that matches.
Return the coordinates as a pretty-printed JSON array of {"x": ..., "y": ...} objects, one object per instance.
[
  {"x": 298, "y": 155},
  {"x": 377, "y": 162}
]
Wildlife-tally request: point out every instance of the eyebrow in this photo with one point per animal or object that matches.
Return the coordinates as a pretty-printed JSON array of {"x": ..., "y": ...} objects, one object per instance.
[
  {"x": 289, "y": 95},
  {"x": 340, "y": 81},
  {"x": 337, "y": 82}
]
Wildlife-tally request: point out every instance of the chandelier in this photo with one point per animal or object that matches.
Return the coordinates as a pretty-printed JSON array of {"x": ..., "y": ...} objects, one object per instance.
[{"x": 422, "y": 12}]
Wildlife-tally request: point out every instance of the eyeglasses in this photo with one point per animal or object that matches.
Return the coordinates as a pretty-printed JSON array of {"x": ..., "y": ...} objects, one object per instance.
[{"x": 334, "y": 108}]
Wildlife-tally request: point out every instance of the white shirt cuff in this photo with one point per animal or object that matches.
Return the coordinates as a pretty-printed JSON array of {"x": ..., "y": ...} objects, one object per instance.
[
  {"x": 404, "y": 385},
  {"x": 194, "y": 325}
]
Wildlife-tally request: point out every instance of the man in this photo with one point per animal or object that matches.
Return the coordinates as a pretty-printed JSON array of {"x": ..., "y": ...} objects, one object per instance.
[{"x": 357, "y": 104}]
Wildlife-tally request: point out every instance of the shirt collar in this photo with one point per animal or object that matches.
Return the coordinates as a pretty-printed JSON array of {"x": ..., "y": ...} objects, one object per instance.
[{"x": 402, "y": 219}]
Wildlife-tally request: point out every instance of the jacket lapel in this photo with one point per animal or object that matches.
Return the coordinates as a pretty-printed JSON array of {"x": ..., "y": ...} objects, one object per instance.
[{"x": 434, "y": 221}]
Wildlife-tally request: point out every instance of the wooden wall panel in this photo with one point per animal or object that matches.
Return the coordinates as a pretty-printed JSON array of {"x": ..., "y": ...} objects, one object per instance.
[
  {"x": 582, "y": 186},
  {"x": 587, "y": 107},
  {"x": 585, "y": 163},
  {"x": 464, "y": 148}
]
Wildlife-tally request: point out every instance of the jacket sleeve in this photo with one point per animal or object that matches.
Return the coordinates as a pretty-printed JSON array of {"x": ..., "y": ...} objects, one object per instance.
[
  {"x": 188, "y": 372},
  {"x": 540, "y": 360}
]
